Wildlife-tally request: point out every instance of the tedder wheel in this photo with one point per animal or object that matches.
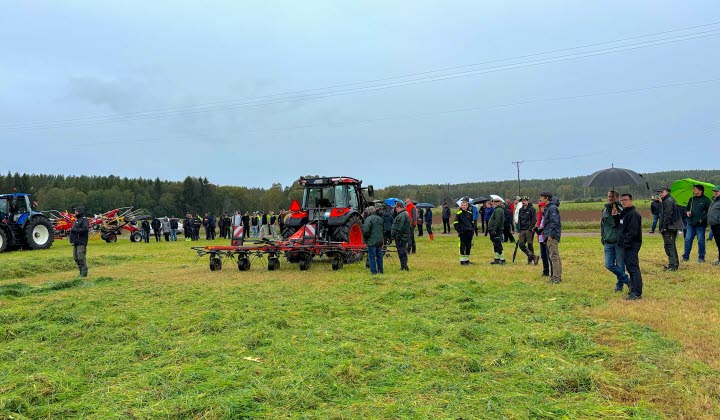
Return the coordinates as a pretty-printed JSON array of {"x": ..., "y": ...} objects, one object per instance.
[
  {"x": 111, "y": 237},
  {"x": 273, "y": 264},
  {"x": 215, "y": 264},
  {"x": 136, "y": 237},
  {"x": 39, "y": 233},
  {"x": 305, "y": 264},
  {"x": 244, "y": 264},
  {"x": 3, "y": 241},
  {"x": 337, "y": 264}
]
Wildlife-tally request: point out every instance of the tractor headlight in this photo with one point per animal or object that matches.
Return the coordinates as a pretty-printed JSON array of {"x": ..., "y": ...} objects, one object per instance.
[{"x": 326, "y": 215}]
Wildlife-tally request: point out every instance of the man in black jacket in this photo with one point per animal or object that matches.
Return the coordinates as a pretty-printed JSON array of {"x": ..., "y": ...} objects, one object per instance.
[
  {"x": 156, "y": 228},
  {"x": 79, "y": 240},
  {"x": 465, "y": 228},
  {"x": 630, "y": 241},
  {"x": 446, "y": 218},
  {"x": 655, "y": 211},
  {"x": 670, "y": 223},
  {"x": 527, "y": 218}
]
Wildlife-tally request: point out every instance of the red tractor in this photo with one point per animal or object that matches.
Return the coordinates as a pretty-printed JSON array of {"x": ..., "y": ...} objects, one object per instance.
[{"x": 334, "y": 205}]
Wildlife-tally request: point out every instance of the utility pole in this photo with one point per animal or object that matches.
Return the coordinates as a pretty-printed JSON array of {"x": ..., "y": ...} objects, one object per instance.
[{"x": 518, "y": 171}]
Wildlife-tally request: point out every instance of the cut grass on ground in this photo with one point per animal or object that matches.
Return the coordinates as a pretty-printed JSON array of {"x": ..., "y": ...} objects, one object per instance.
[{"x": 153, "y": 335}]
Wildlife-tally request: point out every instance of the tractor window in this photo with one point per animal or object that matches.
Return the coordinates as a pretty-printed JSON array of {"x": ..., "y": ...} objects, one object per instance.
[
  {"x": 341, "y": 196},
  {"x": 3, "y": 208},
  {"x": 352, "y": 194}
]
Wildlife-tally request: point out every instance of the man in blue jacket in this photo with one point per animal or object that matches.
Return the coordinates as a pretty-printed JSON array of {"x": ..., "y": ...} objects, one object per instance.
[{"x": 552, "y": 232}]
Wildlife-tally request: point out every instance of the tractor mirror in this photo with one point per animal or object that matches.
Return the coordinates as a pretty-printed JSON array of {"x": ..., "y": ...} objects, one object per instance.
[{"x": 371, "y": 191}]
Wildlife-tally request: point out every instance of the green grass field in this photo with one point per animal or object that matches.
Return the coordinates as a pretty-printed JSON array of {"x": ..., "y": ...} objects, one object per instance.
[{"x": 152, "y": 334}]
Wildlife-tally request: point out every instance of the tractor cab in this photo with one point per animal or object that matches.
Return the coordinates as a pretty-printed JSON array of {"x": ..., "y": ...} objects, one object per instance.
[{"x": 334, "y": 204}]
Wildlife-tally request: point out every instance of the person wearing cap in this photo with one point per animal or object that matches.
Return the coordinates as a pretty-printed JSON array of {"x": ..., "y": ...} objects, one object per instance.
[
  {"x": 400, "y": 232},
  {"x": 713, "y": 218},
  {"x": 373, "y": 236},
  {"x": 629, "y": 239},
  {"x": 552, "y": 232},
  {"x": 465, "y": 228},
  {"x": 609, "y": 228},
  {"x": 496, "y": 225},
  {"x": 526, "y": 222},
  {"x": 670, "y": 222},
  {"x": 696, "y": 211},
  {"x": 79, "y": 240}
]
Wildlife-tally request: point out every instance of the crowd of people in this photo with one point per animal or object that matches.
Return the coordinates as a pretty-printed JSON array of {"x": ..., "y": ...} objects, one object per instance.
[{"x": 620, "y": 231}]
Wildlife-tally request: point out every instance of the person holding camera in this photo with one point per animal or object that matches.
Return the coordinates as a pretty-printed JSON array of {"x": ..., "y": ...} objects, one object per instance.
[{"x": 609, "y": 228}]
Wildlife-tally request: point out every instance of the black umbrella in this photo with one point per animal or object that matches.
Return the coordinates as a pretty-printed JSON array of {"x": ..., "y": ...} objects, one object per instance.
[
  {"x": 424, "y": 206},
  {"x": 613, "y": 177},
  {"x": 480, "y": 199}
]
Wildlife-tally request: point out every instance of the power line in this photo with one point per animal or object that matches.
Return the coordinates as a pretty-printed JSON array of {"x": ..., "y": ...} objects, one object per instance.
[{"x": 574, "y": 56}]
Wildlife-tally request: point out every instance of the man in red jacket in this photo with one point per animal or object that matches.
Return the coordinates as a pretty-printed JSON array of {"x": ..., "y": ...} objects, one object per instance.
[{"x": 412, "y": 212}]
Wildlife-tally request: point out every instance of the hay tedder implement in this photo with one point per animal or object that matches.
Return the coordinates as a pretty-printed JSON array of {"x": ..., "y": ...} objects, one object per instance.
[
  {"x": 107, "y": 226},
  {"x": 328, "y": 224}
]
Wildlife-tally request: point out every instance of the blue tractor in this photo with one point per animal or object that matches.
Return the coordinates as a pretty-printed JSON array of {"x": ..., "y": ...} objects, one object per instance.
[{"x": 21, "y": 226}]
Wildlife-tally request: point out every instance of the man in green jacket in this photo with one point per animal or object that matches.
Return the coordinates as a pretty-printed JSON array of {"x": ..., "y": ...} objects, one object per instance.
[
  {"x": 401, "y": 233},
  {"x": 609, "y": 228},
  {"x": 496, "y": 224},
  {"x": 373, "y": 235},
  {"x": 696, "y": 210}
]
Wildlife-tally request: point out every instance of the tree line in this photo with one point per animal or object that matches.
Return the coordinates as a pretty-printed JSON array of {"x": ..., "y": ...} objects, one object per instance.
[{"x": 198, "y": 195}]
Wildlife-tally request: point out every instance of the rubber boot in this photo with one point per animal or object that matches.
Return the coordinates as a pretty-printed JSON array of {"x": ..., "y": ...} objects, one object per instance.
[
  {"x": 83, "y": 272},
  {"x": 432, "y": 236}
]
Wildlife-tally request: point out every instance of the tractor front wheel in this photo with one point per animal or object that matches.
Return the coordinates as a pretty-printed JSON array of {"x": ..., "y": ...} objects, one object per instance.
[{"x": 39, "y": 233}]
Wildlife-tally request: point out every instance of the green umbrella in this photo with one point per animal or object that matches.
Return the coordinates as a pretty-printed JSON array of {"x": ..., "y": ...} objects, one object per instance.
[{"x": 682, "y": 189}]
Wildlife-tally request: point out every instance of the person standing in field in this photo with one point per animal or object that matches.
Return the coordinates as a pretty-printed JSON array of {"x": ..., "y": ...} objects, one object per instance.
[
  {"x": 696, "y": 211},
  {"x": 401, "y": 231},
  {"x": 420, "y": 219},
  {"x": 609, "y": 229},
  {"x": 412, "y": 213},
  {"x": 655, "y": 211},
  {"x": 173, "y": 228},
  {"x": 714, "y": 220},
  {"x": 526, "y": 222},
  {"x": 387, "y": 215},
  {"x": 487, "y": 214},
  {"x": 166, "y": 228},
  {"x": 670, "y": 222},
  {"x": 428, "y": 223},
  {"x": 446, "y": 218},
  {"x": 541, "y": 239},
  {"x": 156, "y": 225},
  {"x": 465, "y": 228},
  {"x": 145, "y": 229},
  {"x": 516, "y": 212},
  {"x": 496, "y": 225},
  {"x": 79, "y": 240},
  {"x": 552, "y": 232},
  {"x": 373, "y": 235},
  {"x": 630, "y": 240}
]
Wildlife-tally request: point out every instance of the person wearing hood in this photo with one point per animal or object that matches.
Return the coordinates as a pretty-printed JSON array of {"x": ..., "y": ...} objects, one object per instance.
[
  {"x": 552, "y": 231},
  {"x": 79, "y": 240},
  {"x": 400, "y": 232},
  {"x": 526, "y": 222},
  {"x": 629, "y": 239},
  {"x": 713, "y": 218},
  {"x": 165, "y": 226}
]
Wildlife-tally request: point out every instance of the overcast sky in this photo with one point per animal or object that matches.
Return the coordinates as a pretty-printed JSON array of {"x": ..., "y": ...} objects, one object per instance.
[{"x": 255, "y": 92}]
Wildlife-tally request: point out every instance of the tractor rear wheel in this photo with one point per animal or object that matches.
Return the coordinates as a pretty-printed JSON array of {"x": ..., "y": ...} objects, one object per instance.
[
  {"x": 3, "y": 241},
  {"x": 39, "y": 233},
  {"x": 136, "y": 237},
  {"x": 350, "y": 232}
]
